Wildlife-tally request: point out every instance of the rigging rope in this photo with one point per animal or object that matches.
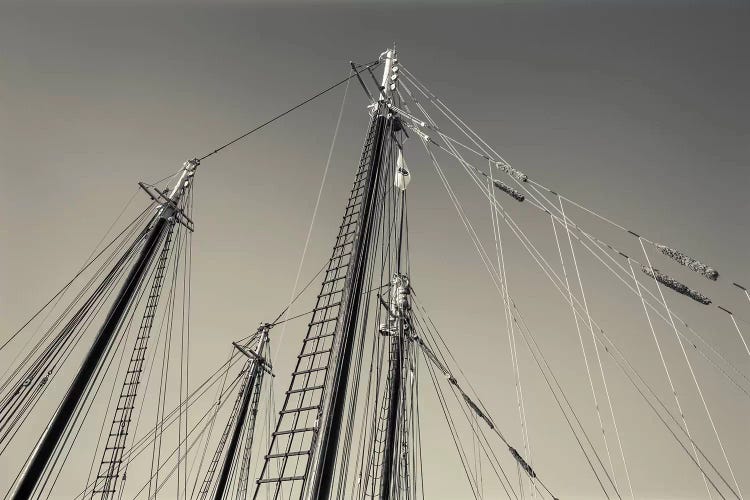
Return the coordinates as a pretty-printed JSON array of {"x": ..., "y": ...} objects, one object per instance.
[
  {"x": 434, "y": 161},
  {"x": 516, "y": 228},
  {"x": 666, "y": 371},
  {"x": 550, "y": 273},
  {"x": 490, "y": 154},
  {"x": 598, "y": 243},
  {"x": 142, "y": 444},
  {"x": 511, "y": 331},
  {"x": 292, "y": 298},
  {"x": 81, "y": 271},
  {"x": 480, "y": 413},
  {"x": 692, "y": 373},
  {"x": 503, "y": 280},
  {"x": 598, "y": 357}
]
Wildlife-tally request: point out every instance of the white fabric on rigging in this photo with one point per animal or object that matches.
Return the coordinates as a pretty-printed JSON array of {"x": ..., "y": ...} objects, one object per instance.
[{"x": 403, "y": 176}]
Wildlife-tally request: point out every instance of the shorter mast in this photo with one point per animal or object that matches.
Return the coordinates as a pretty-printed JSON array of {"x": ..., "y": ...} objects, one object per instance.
[
  {"x": 397, "y": 329},
  {"x": 257, "y": 365}
]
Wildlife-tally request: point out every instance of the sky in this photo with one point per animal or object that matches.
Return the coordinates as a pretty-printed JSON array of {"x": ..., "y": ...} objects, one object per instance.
[{"x": 636, "y": 110}]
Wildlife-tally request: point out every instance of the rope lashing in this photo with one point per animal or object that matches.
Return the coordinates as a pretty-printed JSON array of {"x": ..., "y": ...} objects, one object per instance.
[
  {"x": 471, "y": 404},
  {"x": 512, "y": 192},
  {"x": 517, "y": 174},
  {"x": 689, "y": 262},
  {"x": 522, "y": 462},
  {"x": 476, "y": 409},
  {"x": 675, "y": 285}
]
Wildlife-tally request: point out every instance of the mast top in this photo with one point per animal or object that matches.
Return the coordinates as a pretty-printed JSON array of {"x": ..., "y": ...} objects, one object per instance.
[
  {"x": 390, "y": 73},
  {"x": 188, "y": 171}
]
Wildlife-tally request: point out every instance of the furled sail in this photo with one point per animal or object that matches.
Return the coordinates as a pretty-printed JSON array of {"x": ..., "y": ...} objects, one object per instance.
[{"x": 403, "y": 176}]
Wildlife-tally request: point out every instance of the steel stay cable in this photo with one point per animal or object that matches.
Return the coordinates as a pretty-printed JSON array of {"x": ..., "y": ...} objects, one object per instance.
[
  {"x": 473, "y": 136},
  {"x": 480, "y": 247},
  {"x": 449, "y": 420},
  {"x": 509, "y": 327},
  {"x": 141, "y": 446},
  {"x": 521, "y": 237},
  {"x": 55, "y": 357},
  {"x": 599, "y": 243},
  {"x": 596, "y": 349},
  {"x": 315, "y": 210},
  {"x": 668, "y": 374},
  {"x": 661, "y": 315},
  {"x": 488, "y": 450},
  {"x": 742, "y": 338},
  {"x": 651, "y": 306},
  {"x": 184, "y": 359},
  {"x": 568, "y": 232},
  {"x": 92, "y": 393},
  {"x": 125, "y": 242},
  {"x": 59, "y": 296},
  {"x": 65, "y": 287},
  {"x": 565, "y": 415},
  {"x": 491, "y": 195},
  {"x": 501, "y": 275},
  {"x": 229, "y": 389},
  {"x": 477, "y": 244},
  {"x": 164, "y": 253},
  {"x": 463, "y": 401},
  {"x": 695, "y": 379},
  {"x": 553, "y": 272},
  {"x": 189, "y": 277},
  {"x": 328, "y": 89},
  {"x": 479, "y": 142},
  {"x": 500, "y": 270},
  {"x": 93, "y": 388},
  {"x": 624, "y": 369},
  {"x": 463, "y": 217},
  {"x": 608, "y": 340},
  {"x": 653, "y": 394},
  {"x": 539, "y": 206}
]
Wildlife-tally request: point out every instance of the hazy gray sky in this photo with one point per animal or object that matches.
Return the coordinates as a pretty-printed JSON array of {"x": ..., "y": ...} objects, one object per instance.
[{"x": 637, "y": 111}]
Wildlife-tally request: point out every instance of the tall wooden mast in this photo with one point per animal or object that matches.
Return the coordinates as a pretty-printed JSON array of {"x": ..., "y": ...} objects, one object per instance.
[
  {"x": 329, "y": 437},
  {"x": 168, "y": 214},
  {"x": 304, "y": 451}
]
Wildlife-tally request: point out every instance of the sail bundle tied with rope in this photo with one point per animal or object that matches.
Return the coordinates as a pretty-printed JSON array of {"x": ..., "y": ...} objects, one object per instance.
[
  {"x": 675, "y": 285},
  {"x": 512, "y": 192},
  {"x": 525, "y": 466},
  {"x": 689, "y": 262},
  {"x": 517, "y": 174}
]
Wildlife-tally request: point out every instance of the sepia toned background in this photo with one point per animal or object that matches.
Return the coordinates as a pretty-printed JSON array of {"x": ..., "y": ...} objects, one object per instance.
[{"x": 638, "y": 110}]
